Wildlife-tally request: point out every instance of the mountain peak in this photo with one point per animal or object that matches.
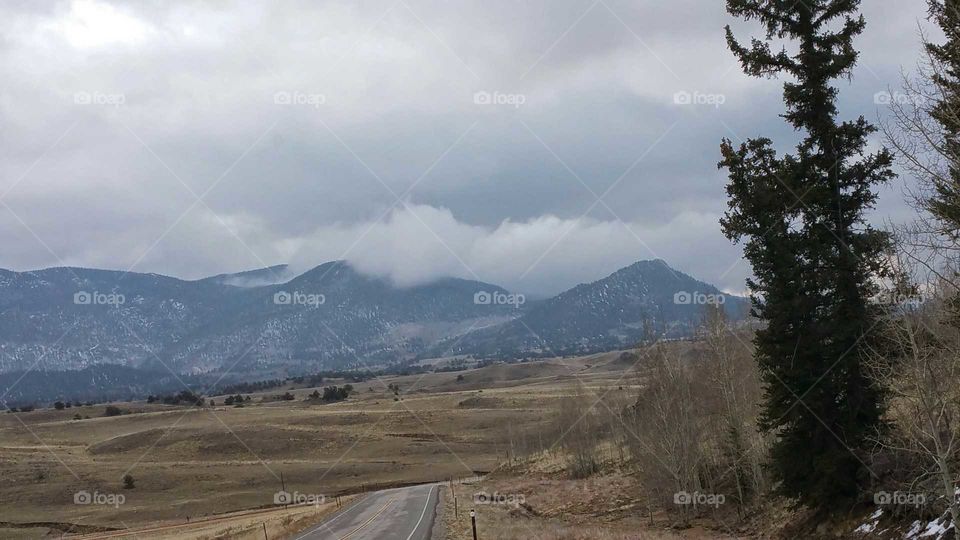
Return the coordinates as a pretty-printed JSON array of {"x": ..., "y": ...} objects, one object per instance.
[
  {"x": 623, "y": 309},
  {"x": 649, "y": 264}
]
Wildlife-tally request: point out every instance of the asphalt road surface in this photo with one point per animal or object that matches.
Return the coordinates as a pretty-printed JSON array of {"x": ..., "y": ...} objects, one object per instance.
[{"x": 393, "y": 514}]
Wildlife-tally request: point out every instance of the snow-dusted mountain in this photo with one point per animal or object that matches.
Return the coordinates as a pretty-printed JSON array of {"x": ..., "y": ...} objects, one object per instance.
[
  {"x": 330, "y": 317},
  {"x": 644, "y": 301}
]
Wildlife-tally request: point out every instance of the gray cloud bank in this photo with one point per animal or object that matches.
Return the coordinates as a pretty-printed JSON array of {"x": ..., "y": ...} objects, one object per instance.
[{"x": 415, "y": 139}]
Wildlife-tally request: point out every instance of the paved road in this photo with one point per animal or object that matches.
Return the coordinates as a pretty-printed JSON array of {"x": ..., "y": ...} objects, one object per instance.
[{"x": 393, "y": 514}]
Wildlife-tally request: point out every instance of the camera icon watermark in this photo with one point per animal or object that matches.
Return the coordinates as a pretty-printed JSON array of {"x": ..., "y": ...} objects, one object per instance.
[
  {"x": 684, "y": 498},
  {"x": 899, "y": 498},
  {"x": 506, "y": 499},
  {"x": 99, "y": 98},
  {"x": 95, "y": 298},
  {"x": 684, "y": 97},
  {"x": 686, "y": 298},
  {"x": 299, "y": 98},
  {"x": 286, "y": 498},
  {"x": 297, "y": 298},
  {"x": 497, "y": 298},
  {"x": 498, "y": 98},
  {"x": 84, "y": 497}
]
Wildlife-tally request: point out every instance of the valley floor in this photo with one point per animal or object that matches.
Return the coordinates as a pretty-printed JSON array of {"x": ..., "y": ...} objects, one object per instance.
[
  {"x": 192, "y": 463},
  {"x": 214, "y": 472}
]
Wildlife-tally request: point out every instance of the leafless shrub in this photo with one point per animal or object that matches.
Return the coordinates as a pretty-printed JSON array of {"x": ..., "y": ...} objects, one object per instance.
[
  {"x": 918, "y": 363},
  {"x": 732, "y": 373},
  {"x": 695, "y": 421},
  {"x": 673, "y": 437},
  {"x": 578, "y": 412}
]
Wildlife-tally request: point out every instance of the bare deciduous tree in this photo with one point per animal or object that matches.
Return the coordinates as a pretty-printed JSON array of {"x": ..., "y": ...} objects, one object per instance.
[
  {"x": 920, "y": 368},
  {"x": 732, "y": 372},
  {"x": 669, "y": 445}
]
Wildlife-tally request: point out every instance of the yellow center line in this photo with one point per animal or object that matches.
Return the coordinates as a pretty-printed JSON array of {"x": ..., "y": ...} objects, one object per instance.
[{"x": 367, "y": 522}]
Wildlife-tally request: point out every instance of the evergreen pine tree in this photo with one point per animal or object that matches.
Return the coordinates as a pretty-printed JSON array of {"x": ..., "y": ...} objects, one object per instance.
[
  {"x": 801, "y": 218},
  {"x": 944, "y": 203}
]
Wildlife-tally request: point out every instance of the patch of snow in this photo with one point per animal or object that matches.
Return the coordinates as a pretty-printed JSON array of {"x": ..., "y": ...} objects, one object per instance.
[
  {"x": 871, "y": 524},
  {"x": 936, "y": 529}
]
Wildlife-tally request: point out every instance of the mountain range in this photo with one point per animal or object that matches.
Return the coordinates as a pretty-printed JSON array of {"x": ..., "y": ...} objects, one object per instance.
[{"x": 330, "y": 317}]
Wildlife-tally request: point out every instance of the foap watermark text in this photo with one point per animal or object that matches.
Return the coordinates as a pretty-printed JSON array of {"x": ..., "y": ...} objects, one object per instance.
[
  {"x": 506, "y": 499},
  {"x": 686, "y": 298},
  {"x": 499, "y": 98},
  {"x": 298, "y": 298},
  {"x": 96, "y": 298},
  {"x": 684, "y": 97},
  {"x": 285, "y": 497},
  {"x": 106, "y": 499},
  {"x": 299, "y": 98},
  {"x": 99, "y": 98},
  {"x": 698, "y": 499},
  {"x": 897, "y": 98},
  {"x": 497, "y": 298},
  {"x": 899, "y": 498}
]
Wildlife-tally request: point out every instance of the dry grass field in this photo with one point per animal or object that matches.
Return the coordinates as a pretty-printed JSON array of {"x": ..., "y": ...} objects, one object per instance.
[
  {"x": 606, "y": 507},
  {"x": 279, "y": 522},
  {"x": 191, "y": 463}
]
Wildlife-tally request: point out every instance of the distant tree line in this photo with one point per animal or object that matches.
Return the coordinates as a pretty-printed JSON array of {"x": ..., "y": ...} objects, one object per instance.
[
  {"x": 333, "y": 393},
  {"x": 250, "y": 387},
  {"x": 236, "y": 400},
  {"x": 183, "y": 397}
]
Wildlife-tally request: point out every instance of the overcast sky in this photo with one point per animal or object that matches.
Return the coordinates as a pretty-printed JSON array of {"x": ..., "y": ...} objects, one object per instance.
[{"x": 533, "y": 144}]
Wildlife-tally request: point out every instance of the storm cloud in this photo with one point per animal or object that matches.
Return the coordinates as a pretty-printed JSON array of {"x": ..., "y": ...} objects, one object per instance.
[{"x": 532, "y": 144}]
